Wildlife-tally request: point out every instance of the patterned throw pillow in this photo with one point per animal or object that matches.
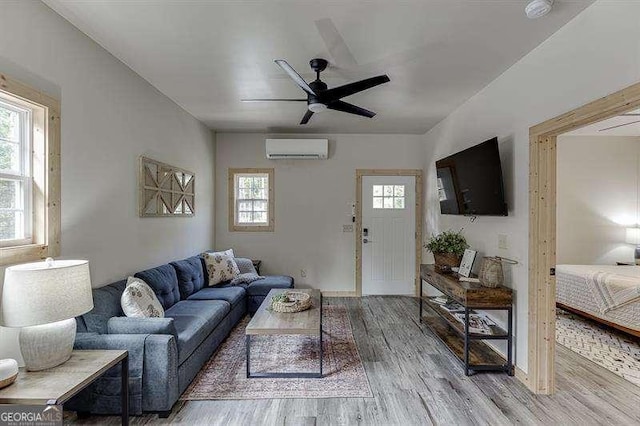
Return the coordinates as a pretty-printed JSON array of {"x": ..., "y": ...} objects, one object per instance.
[
  {"x": 139, "y": 301},
  {"x": 226, "y": 253},
  {"x": 245, "y": 265},
  {"x": 246, "y": 278},
  {"x": 220, "y": 267}
]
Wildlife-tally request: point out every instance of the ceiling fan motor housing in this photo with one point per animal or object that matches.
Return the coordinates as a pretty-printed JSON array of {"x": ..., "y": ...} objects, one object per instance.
[{"x": 318, "y": 64}]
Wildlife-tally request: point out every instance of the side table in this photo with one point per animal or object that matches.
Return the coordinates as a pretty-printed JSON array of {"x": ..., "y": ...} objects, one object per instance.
[{"x": 58, "y": 384}]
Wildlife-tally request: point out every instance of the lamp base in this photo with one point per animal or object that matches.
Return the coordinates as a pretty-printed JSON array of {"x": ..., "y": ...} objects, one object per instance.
[{"x": 47, "y": 345}]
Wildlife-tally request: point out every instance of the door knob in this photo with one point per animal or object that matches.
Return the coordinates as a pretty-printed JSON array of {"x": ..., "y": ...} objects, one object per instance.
[{"x": 365, "y": 240}]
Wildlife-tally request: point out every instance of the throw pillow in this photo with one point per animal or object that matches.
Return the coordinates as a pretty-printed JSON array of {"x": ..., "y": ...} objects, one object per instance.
[
  {"x": 220, "y": 267},
  {"x": 226, "y": 253},
  {"x": 139, "y": 301},
  {"x": 245, "y": 265},
  {"x": 246, "y": 278}
]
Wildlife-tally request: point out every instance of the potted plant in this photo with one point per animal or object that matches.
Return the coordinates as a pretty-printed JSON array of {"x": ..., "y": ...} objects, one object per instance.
[{"x": 447, "y": 248}]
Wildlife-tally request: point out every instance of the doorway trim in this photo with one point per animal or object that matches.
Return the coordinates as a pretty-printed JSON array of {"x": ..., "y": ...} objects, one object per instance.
[
  {"x": 542, "y": 227},
  {"x": 417, "y": 173}
]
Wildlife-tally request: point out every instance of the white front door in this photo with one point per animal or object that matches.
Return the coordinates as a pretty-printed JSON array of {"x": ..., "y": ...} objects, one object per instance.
[{"x": 388, "y": 235}]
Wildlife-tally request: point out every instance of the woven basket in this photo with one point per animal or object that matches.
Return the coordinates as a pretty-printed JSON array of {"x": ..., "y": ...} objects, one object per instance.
[{"x": 299, "y": 302}]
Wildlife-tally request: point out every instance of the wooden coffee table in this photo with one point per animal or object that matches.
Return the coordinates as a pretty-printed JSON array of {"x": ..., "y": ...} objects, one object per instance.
[{"x": 268, "y": 323}]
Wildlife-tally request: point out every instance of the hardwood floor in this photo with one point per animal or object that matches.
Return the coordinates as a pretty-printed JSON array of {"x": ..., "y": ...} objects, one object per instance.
[{"x": 415, "y": 380}]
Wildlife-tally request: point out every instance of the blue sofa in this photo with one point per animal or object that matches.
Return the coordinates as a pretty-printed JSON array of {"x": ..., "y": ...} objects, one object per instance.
[{"x": 165, "y": 354}]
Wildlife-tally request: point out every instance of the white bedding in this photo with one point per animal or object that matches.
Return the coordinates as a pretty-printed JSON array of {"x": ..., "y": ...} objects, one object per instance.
[{"x": 572, "y": 290}]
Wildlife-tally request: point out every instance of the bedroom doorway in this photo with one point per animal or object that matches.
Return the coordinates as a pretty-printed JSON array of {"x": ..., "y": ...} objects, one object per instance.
[
  {"x": 598, "y": 313},
  {"x": 543, "y": 222}
]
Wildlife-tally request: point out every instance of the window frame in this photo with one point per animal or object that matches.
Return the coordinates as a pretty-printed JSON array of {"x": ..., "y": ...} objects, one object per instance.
[
  {"x": 24, "y": 174},
  {"x": 43, "y": 182},
  {"x": 233, "y": 200}
]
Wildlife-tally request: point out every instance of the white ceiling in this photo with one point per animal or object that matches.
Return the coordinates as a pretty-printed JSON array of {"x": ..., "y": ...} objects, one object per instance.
[
  {"x": 207, "y": 55},
  {"x": 627, "y": 124}
]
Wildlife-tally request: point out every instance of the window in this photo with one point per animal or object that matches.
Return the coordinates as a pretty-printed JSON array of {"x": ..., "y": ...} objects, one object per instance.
[
  {"x": 29, "y": 173},
  {"x": 388, "y": 197},
  {"x": 15, "y": 175},
  {"x": 251, "y": 200}
]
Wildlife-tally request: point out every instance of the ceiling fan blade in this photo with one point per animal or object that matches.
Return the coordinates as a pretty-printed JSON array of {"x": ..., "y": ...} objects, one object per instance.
[
  {"x": 295, "y": 76},
  {"x": 351, "y": 109},
  {"x": 351, "y": 88},
  {"x": 307, "y": 116},
  {"x": 273, "y": 100}
]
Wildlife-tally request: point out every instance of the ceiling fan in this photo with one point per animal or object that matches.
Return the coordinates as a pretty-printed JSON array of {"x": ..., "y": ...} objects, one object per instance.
[{"x": 320, "y": 97}]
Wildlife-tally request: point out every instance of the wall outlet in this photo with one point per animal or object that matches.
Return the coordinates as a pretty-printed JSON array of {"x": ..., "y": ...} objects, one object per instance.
[
  {"x": 347, "y": 228},
  {"x": 303, "y": 273},
  {"x": 502, "y": 242}
]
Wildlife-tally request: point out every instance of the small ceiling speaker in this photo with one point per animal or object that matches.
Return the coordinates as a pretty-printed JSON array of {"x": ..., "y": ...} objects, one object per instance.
[{"x": 538, "y": 8}]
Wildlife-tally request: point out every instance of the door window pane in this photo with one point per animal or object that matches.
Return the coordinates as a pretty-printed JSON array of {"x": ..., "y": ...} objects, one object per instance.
[{"x": 388, "y": 196}]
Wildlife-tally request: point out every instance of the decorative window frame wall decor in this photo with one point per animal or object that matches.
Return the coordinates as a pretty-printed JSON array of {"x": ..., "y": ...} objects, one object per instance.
[{"x": 165, "y": 190}]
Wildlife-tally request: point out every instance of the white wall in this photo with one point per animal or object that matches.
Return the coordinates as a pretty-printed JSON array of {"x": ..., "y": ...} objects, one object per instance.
[
  {"x": 312, "y": 201},
  {"x": 597, "y": 195},
  {"x": 595, "y": 54},
  {"x": 110, "y": 116}
]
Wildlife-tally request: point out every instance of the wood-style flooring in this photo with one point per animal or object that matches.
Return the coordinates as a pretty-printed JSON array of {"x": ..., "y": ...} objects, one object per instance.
[{"x": 416, "y": 381}]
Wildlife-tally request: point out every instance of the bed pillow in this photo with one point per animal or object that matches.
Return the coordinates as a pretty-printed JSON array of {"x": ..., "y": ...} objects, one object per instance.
[
  {"x": 220, "y": 267},
  {"x": 139, "y": 301}
]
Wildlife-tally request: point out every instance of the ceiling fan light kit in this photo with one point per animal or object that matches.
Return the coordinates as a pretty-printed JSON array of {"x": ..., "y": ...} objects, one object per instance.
[
  {"x": 320, "y": 97},
  {"x": 538, "y": 8}
]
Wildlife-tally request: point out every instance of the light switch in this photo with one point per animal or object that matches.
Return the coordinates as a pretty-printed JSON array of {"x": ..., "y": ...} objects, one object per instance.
[{"x": 347, "y": 228}]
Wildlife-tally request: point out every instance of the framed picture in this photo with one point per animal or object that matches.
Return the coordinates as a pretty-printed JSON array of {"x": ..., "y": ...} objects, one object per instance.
[{"x": 467, "y": 262}]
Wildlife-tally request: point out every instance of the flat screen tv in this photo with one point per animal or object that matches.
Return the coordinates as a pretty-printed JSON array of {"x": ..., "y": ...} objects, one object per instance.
[{"x": 470, "y": 182}]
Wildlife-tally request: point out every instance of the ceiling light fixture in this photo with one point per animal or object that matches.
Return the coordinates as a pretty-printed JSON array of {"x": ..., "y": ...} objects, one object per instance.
[
  {"x": 317, "y": 107},
  {"x": 538, "y": 8}
]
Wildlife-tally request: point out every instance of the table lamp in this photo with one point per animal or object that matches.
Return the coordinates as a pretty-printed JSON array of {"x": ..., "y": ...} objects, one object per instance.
[
  {"x": 43, "y": 299},
  {"x": 633, "y": 237}
]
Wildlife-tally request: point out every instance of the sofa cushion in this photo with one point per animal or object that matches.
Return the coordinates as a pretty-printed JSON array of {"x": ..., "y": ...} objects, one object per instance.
[
  {"x": 233, "y": 295},
  {"x": 190, "y": 276},
  {"x": 263, "y": 286},
  {"x": 106, "y": 304},
  {"x": 164, "y": 282},
  {"x": 194, "y": 320}
]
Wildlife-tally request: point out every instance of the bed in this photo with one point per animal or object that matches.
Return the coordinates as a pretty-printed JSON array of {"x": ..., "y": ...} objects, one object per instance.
[{"x": 576, "y": 292}]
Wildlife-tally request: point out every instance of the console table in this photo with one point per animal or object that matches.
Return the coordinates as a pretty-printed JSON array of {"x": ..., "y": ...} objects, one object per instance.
[
  {"x": 468, "y": 347},
  {"x": 58, "y": 384}
]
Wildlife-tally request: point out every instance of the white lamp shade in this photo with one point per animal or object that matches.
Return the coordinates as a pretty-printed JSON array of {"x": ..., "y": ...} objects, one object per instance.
[
  {"x": 45, "y": 292},
  {"x": 633, "y": 236}
]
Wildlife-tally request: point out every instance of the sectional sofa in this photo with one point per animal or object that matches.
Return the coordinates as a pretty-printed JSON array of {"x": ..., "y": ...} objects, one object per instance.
[{"x": 165, "y": 354}]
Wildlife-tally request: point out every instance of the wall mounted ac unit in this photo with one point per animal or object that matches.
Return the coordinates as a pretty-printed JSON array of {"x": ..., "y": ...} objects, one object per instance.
[{"x": 297, "y": 149}]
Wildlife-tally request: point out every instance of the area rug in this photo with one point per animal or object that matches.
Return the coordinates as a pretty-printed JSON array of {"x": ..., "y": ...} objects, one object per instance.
[
  {"x": 607, "y": 347},
  {"x": 224, "y": 375}
]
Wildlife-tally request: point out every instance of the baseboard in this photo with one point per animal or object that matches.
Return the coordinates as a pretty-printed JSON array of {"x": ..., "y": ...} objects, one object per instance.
[
  {"x": 338, "y": 293},
  {"x": 522, "y": 376}
]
